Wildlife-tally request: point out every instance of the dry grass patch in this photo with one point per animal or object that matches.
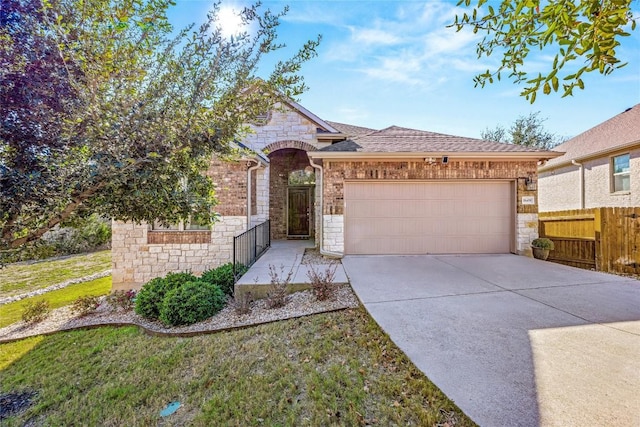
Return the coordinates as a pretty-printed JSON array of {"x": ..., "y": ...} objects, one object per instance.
[
  {"x": 24, "y": 277},
  {"x": 329, "y": 369}
]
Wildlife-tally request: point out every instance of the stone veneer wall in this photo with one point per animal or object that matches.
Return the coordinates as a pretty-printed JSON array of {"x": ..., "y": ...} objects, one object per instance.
[
  {"x": 284, "y": 124},
  {"x": 139, "y": 254},
  {"x": 135, "y": 261},
  {"x": 335, "y": 173}
]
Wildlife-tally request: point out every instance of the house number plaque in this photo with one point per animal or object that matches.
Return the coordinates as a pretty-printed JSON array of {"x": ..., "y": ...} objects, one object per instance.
[{"x": 528, "y": 200}]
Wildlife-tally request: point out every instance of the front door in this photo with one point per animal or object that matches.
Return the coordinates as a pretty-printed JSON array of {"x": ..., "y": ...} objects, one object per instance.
[{"x": 299, "y": 206}]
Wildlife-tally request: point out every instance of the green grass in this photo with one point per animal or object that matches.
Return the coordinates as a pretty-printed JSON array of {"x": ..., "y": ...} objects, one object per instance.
[
  {"x": 12, "y": 312},
  {"x": 22, "y": 277},
  {"x": 329, "y": 369}
]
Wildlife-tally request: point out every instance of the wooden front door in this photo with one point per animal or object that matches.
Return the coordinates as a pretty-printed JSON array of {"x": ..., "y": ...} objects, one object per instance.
[{"x": 299, "y": 207}]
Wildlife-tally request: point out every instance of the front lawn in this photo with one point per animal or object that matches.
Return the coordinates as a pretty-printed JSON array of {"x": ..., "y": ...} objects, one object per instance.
[
  {"x": 329, "y": 369},
  {"x": 12, "y": 312},
  {"x": 21, "y": 277}
]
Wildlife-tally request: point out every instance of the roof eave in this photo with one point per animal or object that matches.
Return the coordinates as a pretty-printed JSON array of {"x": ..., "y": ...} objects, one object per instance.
[
  {"x": 359, "y": 155},
  {"x": 331, "y": 136},
  {"x": 594, "y": 155}
]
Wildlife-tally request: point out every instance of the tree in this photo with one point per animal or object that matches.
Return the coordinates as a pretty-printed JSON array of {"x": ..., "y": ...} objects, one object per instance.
[
  {"x": 104, "y": 111},
  {"x": 526, "y": 130},
  {"x": 585, "y": 30}
]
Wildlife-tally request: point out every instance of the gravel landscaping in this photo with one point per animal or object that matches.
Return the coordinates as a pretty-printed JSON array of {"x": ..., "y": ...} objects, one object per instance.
[{"x": 299, "y": 304}]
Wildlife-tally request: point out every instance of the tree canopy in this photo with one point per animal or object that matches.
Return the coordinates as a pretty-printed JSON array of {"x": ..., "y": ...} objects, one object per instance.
[
  {"x": 526, "y": 130},
  {"x": 581, "y": 35},
  {"x": 104, "y": 109}
]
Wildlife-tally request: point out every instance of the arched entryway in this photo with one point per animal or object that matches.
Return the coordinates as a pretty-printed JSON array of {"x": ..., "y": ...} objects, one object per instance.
[{"x": 291, "y": 190}]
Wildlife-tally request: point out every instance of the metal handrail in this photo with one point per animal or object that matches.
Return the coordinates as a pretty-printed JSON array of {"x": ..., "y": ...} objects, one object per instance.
[{"x": 249, "y": 246}]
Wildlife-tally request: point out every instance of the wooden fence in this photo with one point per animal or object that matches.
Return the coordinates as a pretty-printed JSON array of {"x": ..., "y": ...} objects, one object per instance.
[{"x": 604, "y": 239}]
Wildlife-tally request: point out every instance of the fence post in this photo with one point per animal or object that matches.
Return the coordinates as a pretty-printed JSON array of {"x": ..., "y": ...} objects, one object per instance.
[{"x": 597, "y": 228}]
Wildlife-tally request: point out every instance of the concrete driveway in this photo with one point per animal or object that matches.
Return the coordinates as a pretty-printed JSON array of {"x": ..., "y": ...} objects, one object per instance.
[{"x": 512, "y": 340}]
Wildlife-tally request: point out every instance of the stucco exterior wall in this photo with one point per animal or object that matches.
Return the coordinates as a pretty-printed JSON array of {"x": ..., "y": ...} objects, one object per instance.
[
  {"x": 336, "y": 172},
  {"x": 559, "y": 189}
]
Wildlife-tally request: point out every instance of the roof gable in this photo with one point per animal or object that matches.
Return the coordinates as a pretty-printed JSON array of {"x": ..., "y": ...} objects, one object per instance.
[
  {"x": 619, "y": 132},
  {"x": 323, "y": 126}
]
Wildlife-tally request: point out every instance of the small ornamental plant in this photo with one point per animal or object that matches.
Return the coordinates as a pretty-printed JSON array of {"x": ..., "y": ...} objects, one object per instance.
[
  {"x": 36, "y": 312},
  {"x": 277, "y": 296},
  {"x": 85, "y": 305},
  {"x": 322, "y": 281},
  {"x": 543, "y": 243},
  {"x": 122, "y": 300}
]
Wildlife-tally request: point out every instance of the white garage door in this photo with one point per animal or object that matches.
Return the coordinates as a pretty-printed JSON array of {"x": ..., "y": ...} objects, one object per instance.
[{"x": 428, "y": 217}]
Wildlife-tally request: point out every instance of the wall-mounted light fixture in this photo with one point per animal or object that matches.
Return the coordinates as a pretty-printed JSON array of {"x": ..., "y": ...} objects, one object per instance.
[{"x": 529, "y": 183}]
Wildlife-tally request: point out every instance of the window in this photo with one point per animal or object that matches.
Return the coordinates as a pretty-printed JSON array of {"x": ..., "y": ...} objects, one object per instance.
[
  {"x": 621, "y": 177},
  {"x": 302, "y": 177},
  {"x": 181, "y": 226}
]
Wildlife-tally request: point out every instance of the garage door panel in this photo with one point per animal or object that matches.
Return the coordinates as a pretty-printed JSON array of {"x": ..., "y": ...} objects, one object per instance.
[{"x": 415, "y": 218}]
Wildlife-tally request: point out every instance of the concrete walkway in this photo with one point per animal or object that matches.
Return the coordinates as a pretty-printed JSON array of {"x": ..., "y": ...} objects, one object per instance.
[
  {"x": 284, "y": 256},
  {"x": 512, "y": 340}
]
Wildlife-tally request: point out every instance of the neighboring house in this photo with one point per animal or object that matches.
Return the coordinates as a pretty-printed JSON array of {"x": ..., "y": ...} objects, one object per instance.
[
  {"x": 355, "y": 191},
  {"x": 600, "y": 167}
]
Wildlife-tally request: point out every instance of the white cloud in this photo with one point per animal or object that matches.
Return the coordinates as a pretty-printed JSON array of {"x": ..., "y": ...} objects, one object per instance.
[
  {"x": 448, "y": 41},
  {"x": 409, "y": 45},
  {"x": 373, "y": 36}
]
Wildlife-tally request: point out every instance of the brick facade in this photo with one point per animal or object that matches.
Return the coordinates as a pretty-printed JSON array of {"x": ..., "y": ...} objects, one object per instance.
[
  {"x": 336, "y": 172},
  {"x": 282, "y": 162},
  {"x": 139, "y": 255},
  {"x": 230, "y": 179}
]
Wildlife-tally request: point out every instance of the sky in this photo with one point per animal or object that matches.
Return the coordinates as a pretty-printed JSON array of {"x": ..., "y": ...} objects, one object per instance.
[{"x": 383, "y": 63}]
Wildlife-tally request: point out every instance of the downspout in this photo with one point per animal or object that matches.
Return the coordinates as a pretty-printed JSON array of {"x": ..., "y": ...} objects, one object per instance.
[
  {"x": 321, "y": 230},
  {"x": 573, "y": 162},
  {"x": 249, "y": 170}
]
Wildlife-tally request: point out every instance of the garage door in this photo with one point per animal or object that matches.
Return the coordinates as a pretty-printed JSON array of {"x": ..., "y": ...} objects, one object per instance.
[{"x": 428, "y": 217}]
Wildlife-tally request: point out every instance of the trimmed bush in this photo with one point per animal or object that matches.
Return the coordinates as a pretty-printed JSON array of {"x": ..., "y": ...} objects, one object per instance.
[
  {"x": 151, "y": 296},
  {"x": 191, "y": 303},
  {"x": 223, "y": 276}
]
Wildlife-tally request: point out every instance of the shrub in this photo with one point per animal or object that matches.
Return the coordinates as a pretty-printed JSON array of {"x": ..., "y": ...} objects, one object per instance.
[
  {"x": 150, "y": 298},
  {"x": 322, "y": 281},
  {"x": 279, "y": 288},
  {"x": 123, "y": 300},
  {"x": 223, "y": 276},
  {"x": 191, "y": 303},
  {"x": 85, "y": 305},
  {"x": 35, "y": 312}
]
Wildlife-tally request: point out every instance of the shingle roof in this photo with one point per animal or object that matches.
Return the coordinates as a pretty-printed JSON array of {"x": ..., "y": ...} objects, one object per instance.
[
  {"x": 618, "y": 131},
  {"x": 350, "y": 130},
  {"x": 397, "y": 139}
]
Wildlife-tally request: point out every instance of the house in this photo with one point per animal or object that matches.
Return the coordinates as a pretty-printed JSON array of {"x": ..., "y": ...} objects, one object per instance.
[
  {"x": 355, "y": 191},
  {"x": 600, "y": 167}
]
